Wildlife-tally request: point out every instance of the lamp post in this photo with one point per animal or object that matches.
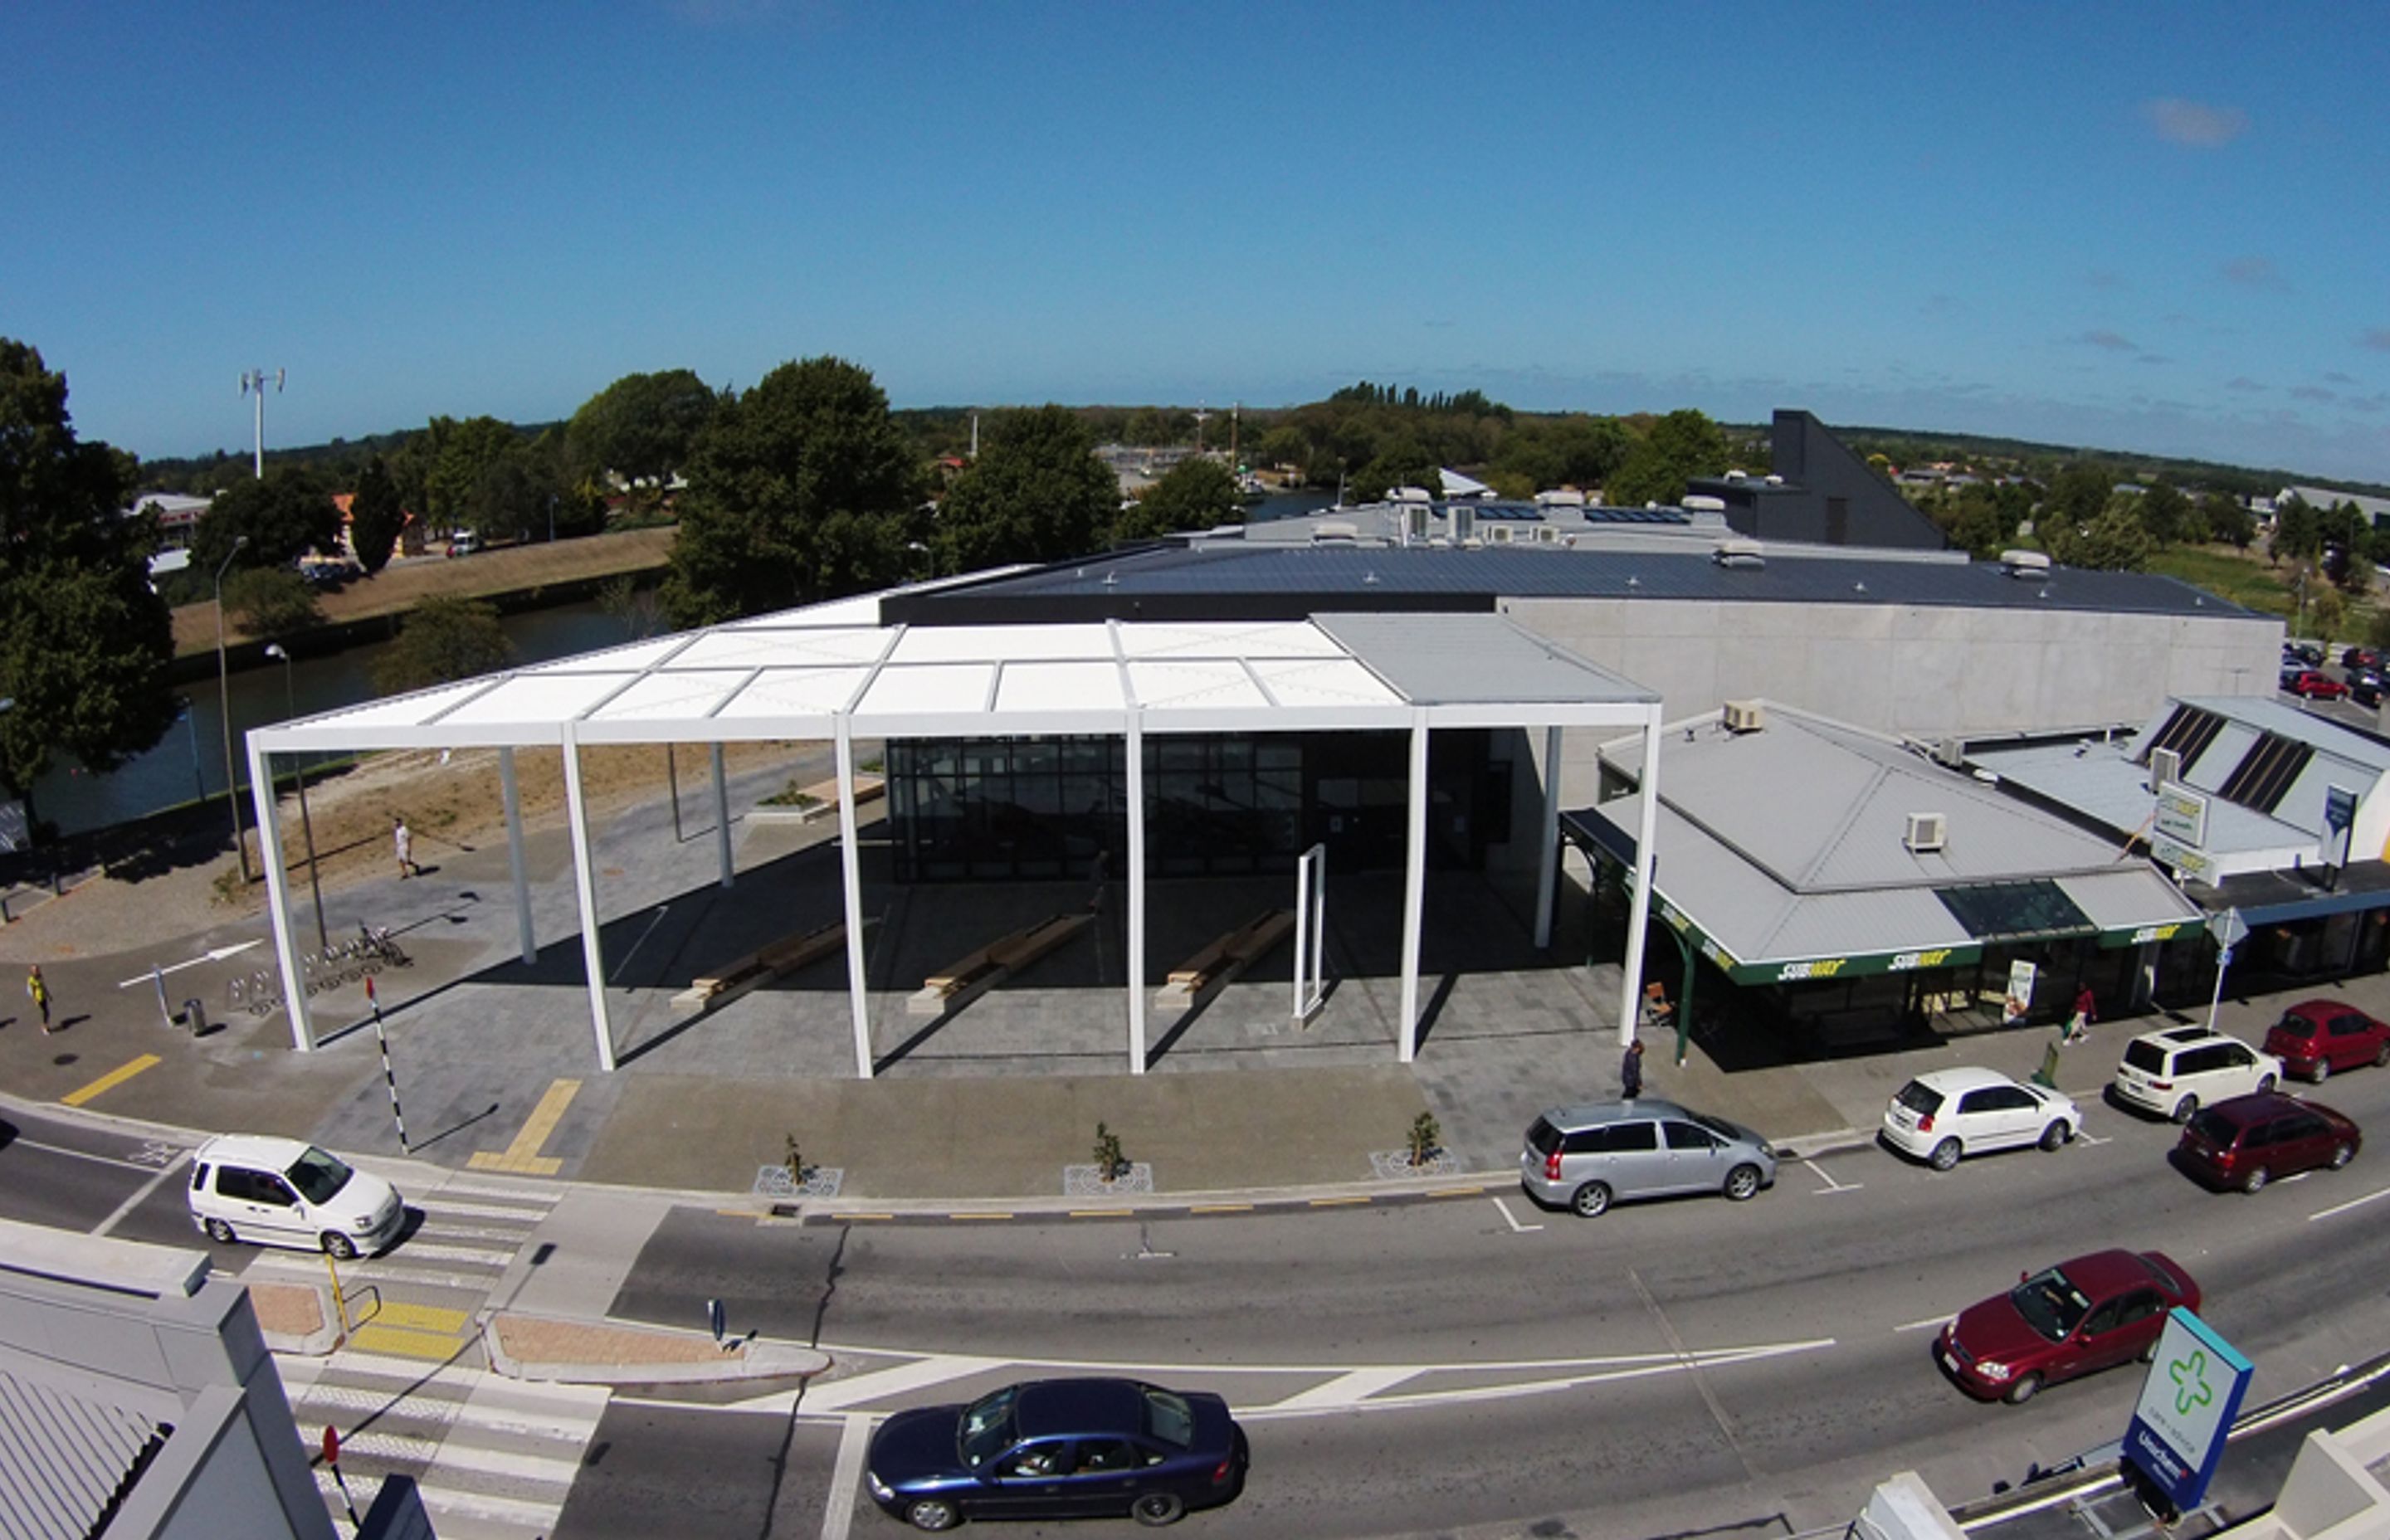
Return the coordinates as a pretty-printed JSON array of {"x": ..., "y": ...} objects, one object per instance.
[
  {"x": 224, "y": 709},
  {"x": 299, "y": 775}
]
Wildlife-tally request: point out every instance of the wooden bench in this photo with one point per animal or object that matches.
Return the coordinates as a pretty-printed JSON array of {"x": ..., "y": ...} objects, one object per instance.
[
  {"x": 1224, "y": 959},
  {"x": 972, "y": 974},
  {"x": 760, "y": 966},
  {"x": 824, "y": 795}
]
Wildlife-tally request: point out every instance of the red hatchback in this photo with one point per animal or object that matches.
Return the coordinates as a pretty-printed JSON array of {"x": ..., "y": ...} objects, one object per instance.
[
  {"x": 2313, "y": 685},
  {"x": 2315, "y": 1037},
  {"x": 2247, "y": 1141},
  {"x": 2081, "y": 1316}
]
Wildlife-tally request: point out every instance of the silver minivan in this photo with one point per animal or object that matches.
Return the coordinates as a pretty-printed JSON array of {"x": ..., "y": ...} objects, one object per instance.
[{"x": 1587, "y": 1156}]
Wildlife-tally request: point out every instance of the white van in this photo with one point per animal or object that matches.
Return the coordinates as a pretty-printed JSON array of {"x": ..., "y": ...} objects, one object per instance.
[{"x": 284, "y": 1192}]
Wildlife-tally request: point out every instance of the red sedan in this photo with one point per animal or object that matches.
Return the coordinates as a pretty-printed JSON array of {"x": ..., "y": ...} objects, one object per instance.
[
  {"x": 2075, "y": 1318},
  {"x": 2315, "y": 1037},
  {"x": 2313, "y": 685},
  {"x": 2246, "y": 1142}
]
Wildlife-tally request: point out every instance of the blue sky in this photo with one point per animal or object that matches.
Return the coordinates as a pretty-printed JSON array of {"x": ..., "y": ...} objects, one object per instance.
[{"x": 2155, "y": 227}]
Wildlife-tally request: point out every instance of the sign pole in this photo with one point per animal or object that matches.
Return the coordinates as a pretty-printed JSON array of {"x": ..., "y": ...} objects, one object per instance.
[
  {"x": 388, "y": 1078},
  {"x": 2229, "y": 928},
  {"x": 332, "y": 1458}
]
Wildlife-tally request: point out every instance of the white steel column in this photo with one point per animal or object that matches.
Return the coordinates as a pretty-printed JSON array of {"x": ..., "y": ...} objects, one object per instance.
[
  {"x": 277, "y": 895},
  {"x": 1135, "y": 964},
  {"x": 850, "y": 866},
  {"x": 722, "y": 813},
  {"x": 585, "y": 883},
  {"x": 515, "y": 861},
  {"x": 1639, "y": 919},
  {"x": 1548, "y": 859},
  {"x": 1414, "y": 887}
]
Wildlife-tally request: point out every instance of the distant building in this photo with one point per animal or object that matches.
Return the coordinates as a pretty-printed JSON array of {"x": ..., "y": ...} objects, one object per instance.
[
  {"x": 1819, "y": 493},
  {"x": 178, "y": 516},
  {"x": 2375, "y": 509}
]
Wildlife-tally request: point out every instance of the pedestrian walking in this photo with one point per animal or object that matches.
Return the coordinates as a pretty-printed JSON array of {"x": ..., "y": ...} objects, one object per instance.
[
  {"x": 2086, "y": 1010},
  {"x": 39, "y": 989},
  {"x": 1630, "y": 1071},
  {"x": 405, "y": 842}
]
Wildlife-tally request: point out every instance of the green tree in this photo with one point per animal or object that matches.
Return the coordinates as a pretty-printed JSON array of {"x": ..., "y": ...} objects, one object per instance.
[
  {"x": 802, "y": 489},
  {"x": 1400, "y": 462},
  {"x": 2114, "y": 541},
  {"x": 2078, "y": 495},
  {"x": 444, "y": 638},
  {"x": 376, "y": 516},
  {"x": 1674, "y": 449},
  {"x": 509, "y": 499},
  {"x": 1037, "y": 493},
  {"x": 1282, "y": 445},
  {"x": 1193, "y": 494},
  {"x": 2226, "y": 521},
  {"x": 643, "y": 425},
  {"x": 2327, "y": 613},
  {"x": 84, "y": 641},
  {"x": 455, "y": 457},
  {"x": 284, "y": 516},
  {"x": 2167, "y": 515},
  {"x": 270, "y": 601}
]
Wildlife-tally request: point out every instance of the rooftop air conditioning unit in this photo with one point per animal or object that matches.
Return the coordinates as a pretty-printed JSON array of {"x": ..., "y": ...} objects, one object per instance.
[
  {"x": 1331, "y": 530},
  {"x": 2026, "y": 564},
  {"x": 1737, "y": 475},
  {"x": 1738, "y": 553},
  {"x": 1951, "y": 752},
  {"x": 2166, "y": 769},
  {"x": 1926, "y": 832},
  {"x": 1698, "y": 503},
  {"x": 1775, "y": 481},
  {"x": 1742, "y": 716},
  {"x": 1501, "y": 534}
]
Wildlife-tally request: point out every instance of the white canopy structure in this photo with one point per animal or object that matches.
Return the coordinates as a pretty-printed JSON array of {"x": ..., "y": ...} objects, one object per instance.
[{"x": 833, "y": 671}]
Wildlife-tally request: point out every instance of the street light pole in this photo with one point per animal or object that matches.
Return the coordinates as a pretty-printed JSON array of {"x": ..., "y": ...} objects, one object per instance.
[
  {"x": 224, "y": 709},
  {"x": 299, "y": 775}
]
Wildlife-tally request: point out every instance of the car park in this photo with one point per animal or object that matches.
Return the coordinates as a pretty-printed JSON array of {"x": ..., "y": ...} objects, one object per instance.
[
  {"x": 2313, "y": 685},
  {"x": 286, "y": 1192},
  {"x": 1587, "y": 1157},
  {"x": 2175, "y": 1072},
  {"x": 2076, "y": 1318},
  {"x": 2316, "y": 1037},
  {"x": 1058, "y": 1449},
  {"x": 1945, "y": 1114},
  {"x": 2361, "y": 658},
  {"x": 2249, "y": 1141}
]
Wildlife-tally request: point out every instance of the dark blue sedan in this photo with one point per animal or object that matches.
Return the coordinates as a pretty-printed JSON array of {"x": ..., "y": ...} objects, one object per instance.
[{"x": 1057, "y": 1449}]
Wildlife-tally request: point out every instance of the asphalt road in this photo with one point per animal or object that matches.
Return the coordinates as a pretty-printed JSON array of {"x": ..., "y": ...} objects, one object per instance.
[{"x": 1669, "y": 1366}]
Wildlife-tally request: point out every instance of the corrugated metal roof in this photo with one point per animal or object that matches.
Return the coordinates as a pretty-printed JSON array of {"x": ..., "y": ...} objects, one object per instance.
[
  {"x": 2132, "y": 896},
  {"x": 64, "y": 1451},
  {"x": 1474, "y": 658},
  {"x": 2101, "y": 783}
]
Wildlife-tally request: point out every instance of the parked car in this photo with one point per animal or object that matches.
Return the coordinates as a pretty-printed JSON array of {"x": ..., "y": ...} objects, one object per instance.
[
  {"x": 2307, "y": 653},
  {"x": 2315, "y": 1037},
  {"x": 2175, "y": 1072},
  {"x": 2075, "y": 1318},
  {"x": 1058, "y": 1449},
  {"x": 2248, "y": 1141},
  {"x": 1587, "y": 1155},
  {"x": 2361, "y": 658},
  {"x": 285, "y": 1192},
  {"x": 2313, "y": 685},
  {"x": 1940, "y": 1116},
  {"x": 464, "y": 543},
  {"x": 2366, "y": 690}
]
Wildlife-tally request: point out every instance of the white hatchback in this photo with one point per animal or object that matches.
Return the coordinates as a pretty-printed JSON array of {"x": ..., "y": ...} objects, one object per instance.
[
  {"x": 2177, "y": 1071},
  {"x": 1940, "y": 1116},
  {"x": 285, "y": 1192}
]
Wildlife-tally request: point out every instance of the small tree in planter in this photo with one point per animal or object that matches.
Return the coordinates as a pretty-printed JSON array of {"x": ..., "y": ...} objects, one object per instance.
[
  {"x": 1110, "y": 1164},
  {"x": 1426, "y": 1140},
  {"x": 798, "y": 1170}
]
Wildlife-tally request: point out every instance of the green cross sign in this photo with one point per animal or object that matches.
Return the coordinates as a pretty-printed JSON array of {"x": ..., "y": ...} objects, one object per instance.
[{"x": 2191, "y": 1387}]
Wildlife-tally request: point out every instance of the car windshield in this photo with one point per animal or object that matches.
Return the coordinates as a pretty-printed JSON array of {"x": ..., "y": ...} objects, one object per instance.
[
  {"x": 986, "y": 1429},
  {"x": 2050, "y": 1304},
  {"x": 319, "y": 1176},
  {"x": 1919, "y": 1098},
  {"x": 2148, "y": 1058},
  {"x": 1169, "y": 1418},
  {"x": 1719, "y": 1126},
  {"x": 1542, "y": 1138}
]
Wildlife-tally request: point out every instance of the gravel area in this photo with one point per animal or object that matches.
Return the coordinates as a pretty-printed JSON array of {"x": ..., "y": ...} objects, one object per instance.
[
  {"x": 533, "y": 1339},
  {"x": 290, "y": 1309}
]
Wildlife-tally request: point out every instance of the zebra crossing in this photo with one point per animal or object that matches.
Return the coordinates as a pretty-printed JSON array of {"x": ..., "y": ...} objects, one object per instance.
[{"x": 493, "y": 1458}]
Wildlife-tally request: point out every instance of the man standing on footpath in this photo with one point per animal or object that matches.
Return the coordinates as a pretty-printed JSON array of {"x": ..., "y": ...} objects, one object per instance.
[
  {"x": 1630, "y": 1071},
  {"x": 405, "y": 841}
]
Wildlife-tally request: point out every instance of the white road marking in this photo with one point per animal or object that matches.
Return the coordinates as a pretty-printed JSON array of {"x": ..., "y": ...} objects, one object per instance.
[
  {"x": 1516, "y": 1228},
  {"x": 2352, "y": 1203},
  {"x": 85, "y": 1155},
  {"x": 1348, "y": 1388},
  {"x": 140, "y": 1195},
  {"x": 1919, "y": 1325},
  {"x": 2081, "y": 1138},
  {"x": 837, "y": 1395},
  {"x": 1827, "y": 1177},
  {"x": 854, "y": 1443}
]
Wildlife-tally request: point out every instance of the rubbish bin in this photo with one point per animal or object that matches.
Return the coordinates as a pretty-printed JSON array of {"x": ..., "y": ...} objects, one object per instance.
[{"x": 195, "y": 1016}]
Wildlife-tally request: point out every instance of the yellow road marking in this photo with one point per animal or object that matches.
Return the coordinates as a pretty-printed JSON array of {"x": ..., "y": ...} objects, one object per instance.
[
  {"x": 1221, "y": 1208},
  {"x": 1101, "y": 1213},
  {"x": 418, "y": 1317},
  {"x": 979, "y": 1216},
  {"x": 405, "y": 1343},
  {"x": 866, "y": 1216},
  {"x": 110, "y": 1081},
  {"x": 524, "y": 1156},
  {"x": 1335, "y": 1203}
]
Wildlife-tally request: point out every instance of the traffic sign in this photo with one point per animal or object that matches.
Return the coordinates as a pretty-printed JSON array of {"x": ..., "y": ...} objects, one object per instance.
[{"x": 2186, "y": 1410}]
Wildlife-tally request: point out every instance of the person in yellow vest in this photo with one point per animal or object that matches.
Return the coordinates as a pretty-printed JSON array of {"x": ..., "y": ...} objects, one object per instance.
[{"x": 38, "y": 988}]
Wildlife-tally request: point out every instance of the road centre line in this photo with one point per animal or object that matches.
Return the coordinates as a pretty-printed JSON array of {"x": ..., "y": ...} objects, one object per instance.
[
  {"x": 1516, "y": 1228},
  {"x": 854, "y": 1443},
  {"x": 140, "y": 1193},
  {"x": 1919, "y": 1325},
  {"x": 2352, "y": 1203}
]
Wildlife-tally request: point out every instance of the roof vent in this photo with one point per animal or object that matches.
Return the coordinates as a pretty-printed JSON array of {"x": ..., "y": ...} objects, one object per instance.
[
  {"x": 1926, "y": 832},
  {"x": 1953, "y": 751},
  {"x": 1737, "y": 475},
  {"x": 1738, "y": 553},
  {"x": 1742, "y": 716},
  {"x": 1334, "y": 529},
  {"x": 2026, "y": 564},
  {"x": 1702, "y": 504},
  {"x": 1776, "y": 481}
]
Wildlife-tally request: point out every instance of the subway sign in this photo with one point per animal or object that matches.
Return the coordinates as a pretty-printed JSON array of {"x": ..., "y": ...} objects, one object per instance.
[{"x": 1813, "y": 969}]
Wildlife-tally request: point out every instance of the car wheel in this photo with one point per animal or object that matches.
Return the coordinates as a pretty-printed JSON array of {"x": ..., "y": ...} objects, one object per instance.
[
  {"x": 220, "y": 1232},
  {"x": 1155, "y": 1509},
  {"x": 338, "y": 1247},
  {"x": 1742, "y": 1182},
  {"x": 2023, "y": 1390},
  {"x": 1590, "y": 1200},
  {"x": 2055, "y": 1135},
  {"x": 933, "y": 1513},
  {"x": 2382, "y": 1054},
  {"x": 2264, "y": 1084},
  {"x": 2255, "y": 1181},
  {"x": 2322, "y": 1073},
  {"x": 2184, "y": 1108},
  {"x": 1944, "y": 1156},
  {"x": 2341, "y": 1155},
  {"x": 2150, "y": 1351}
]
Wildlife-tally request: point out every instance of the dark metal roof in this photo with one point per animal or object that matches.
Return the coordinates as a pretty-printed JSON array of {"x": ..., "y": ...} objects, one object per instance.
[{"x": 1229, "y": 582}]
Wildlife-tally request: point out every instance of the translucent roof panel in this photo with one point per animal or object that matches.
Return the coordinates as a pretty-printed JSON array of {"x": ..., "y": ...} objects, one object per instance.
[
  {"x": 408, "y": 710},
  {"x": 1206, "y": 685},
  {"x": 931, "y": 687},
  {"x": 1247, "y": 639},
  {"x": 861, "y": 610},
  {"x": 1089, "y": 686},
  {"x": 544, "y": 697},
  {"x": 637, "y": 655},
  {"x": 677, "y": 696},
  {"x": 762, "y": 648},
  {"x": 1002, "y": 643},
  {"x": 794, "y": 692},
  {"x": 1328, "y": 682}
]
